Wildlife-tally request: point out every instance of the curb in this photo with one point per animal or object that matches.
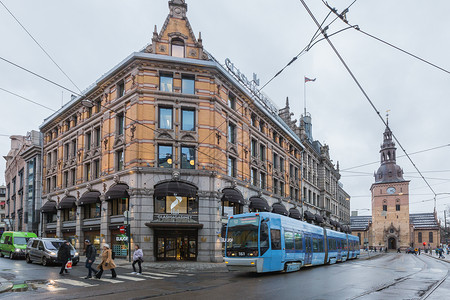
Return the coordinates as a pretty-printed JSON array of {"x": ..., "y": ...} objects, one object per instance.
[
  {"x": 441, "y": 259},
  {"x": 5, "y": 286}
]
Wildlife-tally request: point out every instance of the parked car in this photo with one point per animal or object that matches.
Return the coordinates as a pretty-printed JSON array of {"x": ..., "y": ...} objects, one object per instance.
[
  {"x": 45, "y": 251},
  {"x": 410, "y": 250},
  {"x": 14, "y": 243}
]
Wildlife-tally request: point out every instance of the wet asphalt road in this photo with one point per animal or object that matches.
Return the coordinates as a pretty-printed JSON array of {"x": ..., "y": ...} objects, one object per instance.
[{"x": 389, "y": 276}]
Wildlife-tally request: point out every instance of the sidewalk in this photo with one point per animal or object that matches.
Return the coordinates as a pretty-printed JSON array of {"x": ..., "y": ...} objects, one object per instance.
[
  {"x": 446, "y": 256},
  {"x": 5, "y": 285},
  {"x": 178, "y": 266}
]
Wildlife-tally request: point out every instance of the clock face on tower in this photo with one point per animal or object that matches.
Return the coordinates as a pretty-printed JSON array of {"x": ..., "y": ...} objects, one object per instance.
[{"x": 390, "y": 190}]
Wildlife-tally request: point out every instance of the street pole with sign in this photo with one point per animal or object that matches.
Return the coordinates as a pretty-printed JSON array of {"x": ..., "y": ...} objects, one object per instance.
[{"x": 128, "y": 231}]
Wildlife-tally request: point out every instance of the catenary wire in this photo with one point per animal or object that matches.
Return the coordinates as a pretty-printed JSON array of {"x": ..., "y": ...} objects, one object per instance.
[
  {"x": 26, "y": 99},
  {"x": 341, "y": 16},
  {"x": 364, "y": 92},
  {"x": 21, "y": 25}
]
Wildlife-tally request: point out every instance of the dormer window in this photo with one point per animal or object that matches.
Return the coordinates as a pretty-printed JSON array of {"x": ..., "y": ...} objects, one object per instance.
[{"x": 178, "y": 48}]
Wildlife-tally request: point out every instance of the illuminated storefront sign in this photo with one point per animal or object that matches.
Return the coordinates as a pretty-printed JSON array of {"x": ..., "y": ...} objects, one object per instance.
[{"x": 252, "y": 86}]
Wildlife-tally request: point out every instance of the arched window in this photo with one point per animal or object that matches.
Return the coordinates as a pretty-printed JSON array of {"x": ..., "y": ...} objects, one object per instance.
[{"x": 177, "y": 47}]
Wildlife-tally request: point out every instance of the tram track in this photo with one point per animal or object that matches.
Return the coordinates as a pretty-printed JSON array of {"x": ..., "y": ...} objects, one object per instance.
[
  {"x": 399, "y": 280},
  {"x": 438, "y": 283}
]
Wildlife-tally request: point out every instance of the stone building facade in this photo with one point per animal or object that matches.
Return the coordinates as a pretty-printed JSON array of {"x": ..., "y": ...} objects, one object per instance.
[
  {"x": 172, "y": 143},
  {"x": 391, "y": 225}
]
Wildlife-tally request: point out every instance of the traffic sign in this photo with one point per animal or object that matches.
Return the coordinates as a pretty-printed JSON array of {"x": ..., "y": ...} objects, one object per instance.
[
  {"x": 126, "y": 214},
  {"x": 122, "y": 229}
]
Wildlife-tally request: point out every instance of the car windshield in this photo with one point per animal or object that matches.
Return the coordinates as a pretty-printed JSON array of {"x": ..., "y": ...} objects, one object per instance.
[
  {"x": 21, "y": 240},
  {"x": 53, "y": 245},
  {"x": 242, "y": 233}
]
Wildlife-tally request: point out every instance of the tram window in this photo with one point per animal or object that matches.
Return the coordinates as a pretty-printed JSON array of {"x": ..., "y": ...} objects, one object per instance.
[
  {"x": 289, "y": 240},
  {"x": 264, "y": 238},
  {"x": 315, "y": 245},
  {"x": 275, "y": 239},
  {"x": 298, "y": 241},
  {"x": 321, "y": 247}
]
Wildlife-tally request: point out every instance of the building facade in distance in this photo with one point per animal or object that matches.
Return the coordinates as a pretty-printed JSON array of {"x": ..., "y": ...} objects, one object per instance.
[{"x": 391, "y": 225}]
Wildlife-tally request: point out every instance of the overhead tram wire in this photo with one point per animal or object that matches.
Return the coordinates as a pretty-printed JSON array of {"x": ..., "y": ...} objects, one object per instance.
[
  {"x": 29, "y": 100},
  {"x": 21, "y": 25},
  {"x": 342, "y": 17},
  {"x": 363, "y": 91},
  {"x": 412, "y": 153},
  {"x": 309, "y": 46},
  {"x": 110, "y": 109}
]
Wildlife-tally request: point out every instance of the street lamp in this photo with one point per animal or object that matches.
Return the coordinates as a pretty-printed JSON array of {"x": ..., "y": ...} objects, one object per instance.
[{"x": 87, "y": 103}]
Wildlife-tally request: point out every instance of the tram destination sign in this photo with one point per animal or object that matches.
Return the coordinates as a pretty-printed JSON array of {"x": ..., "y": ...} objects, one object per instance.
[
  {"x": 174, "y": 218},
  {"x": 252, "y": 86}
]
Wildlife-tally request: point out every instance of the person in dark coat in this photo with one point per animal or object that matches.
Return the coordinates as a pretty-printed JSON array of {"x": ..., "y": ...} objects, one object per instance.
[
  {"x": 90, "y": 258},
  {"x": 64, "y": 256}
]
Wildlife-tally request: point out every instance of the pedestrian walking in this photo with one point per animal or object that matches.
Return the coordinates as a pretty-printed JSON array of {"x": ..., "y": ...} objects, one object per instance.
[
  {"x": 91, "y": 252},
  {"x": 419, "y": 251},
  {"x": 138, "y": 257},
  {"x": 107, "y": 262},
  {"x": 64, "y": 256}
]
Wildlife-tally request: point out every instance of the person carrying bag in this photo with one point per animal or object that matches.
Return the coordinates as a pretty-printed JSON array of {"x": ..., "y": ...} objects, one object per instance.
[
  {"x": 64, "y": 257},
  {"x": 107, "y": 262},
  {"x": 138, "y": 257}
]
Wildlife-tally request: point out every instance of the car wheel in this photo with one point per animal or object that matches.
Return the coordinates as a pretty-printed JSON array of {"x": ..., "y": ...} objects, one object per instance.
[
  {"x": 44, "y": 261},
  {"x": 28, "y": 259},
  {"x": 1, "y": 254},
  {"x": 11, "y": 255}
]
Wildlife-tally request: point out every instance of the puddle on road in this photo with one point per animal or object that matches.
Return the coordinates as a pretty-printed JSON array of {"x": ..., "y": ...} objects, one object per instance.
[{"x": 30, "y": 285}]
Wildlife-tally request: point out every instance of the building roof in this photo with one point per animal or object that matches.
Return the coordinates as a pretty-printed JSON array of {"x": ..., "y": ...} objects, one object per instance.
[
  {"x": 360, "y": 222},
  {"x": 423, "y": 221}
]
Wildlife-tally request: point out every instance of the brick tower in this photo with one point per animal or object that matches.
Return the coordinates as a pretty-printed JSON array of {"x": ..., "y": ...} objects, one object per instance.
[{"x": 390, "y": 200}]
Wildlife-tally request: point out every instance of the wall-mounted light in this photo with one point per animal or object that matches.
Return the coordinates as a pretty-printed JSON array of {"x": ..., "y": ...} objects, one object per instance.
[{"x": 104, "y": 209}]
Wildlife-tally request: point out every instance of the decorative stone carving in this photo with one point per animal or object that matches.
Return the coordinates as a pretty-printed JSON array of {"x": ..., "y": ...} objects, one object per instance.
[
  {"x": 176, "y": 175},
  {"x": 116, "y": 178},
  {"x": 89, "y": 187}
]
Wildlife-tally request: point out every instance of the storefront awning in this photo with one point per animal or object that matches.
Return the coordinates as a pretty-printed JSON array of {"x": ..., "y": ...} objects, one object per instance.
[
  {"x": 117, "y": 191},
  {"x": 279, "y": 208},
  {"x": 309, "y": 216},
  {"x": 49, "y": 207},
  {"x": 175, "y": 188},
  {"x": 89, "y": 197},
  {"x": 232, "y": 195},
  {"x": 259, "y": 204},
  {"x": 67, "y": 202},
  {"x": 319, "y": 218},
  {"x": 294, "y": 213}
]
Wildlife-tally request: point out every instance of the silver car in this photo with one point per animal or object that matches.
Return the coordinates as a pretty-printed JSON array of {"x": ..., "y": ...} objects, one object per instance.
[{"x": 45, "y": 251}]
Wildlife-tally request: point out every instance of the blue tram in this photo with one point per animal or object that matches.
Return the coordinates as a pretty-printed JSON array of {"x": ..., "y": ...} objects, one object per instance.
[{"x": 268, "y": 242}]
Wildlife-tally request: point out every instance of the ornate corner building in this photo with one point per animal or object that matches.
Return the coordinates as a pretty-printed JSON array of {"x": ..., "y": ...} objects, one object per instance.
[
  {"x": 171, "y": 143},
  {"x": 391, "y": 225}
]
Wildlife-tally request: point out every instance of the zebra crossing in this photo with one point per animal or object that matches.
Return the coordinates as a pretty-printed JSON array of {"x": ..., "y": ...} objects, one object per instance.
[{"x": 61, "y": 284}]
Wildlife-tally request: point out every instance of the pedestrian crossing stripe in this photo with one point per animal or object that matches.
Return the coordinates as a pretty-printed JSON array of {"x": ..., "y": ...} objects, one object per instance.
[
  {"x": 108, "y": 280},
  {"x": 130, "y": 278},
  {"x": 74, "y": 282},
  {"x": 159, "y": 274}
]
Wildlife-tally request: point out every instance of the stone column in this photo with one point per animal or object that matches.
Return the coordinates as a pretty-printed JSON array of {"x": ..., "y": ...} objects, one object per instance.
[
  {"x": 105, "y": 236},
  {"x": 58, "y": 224},
  {"x": 78, "y": 231}
]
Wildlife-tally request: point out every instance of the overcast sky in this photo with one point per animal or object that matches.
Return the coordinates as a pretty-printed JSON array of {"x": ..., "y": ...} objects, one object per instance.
[{"x": 87, "y": 38}]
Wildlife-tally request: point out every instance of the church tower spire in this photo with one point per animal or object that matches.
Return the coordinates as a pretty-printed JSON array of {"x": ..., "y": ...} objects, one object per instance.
[{"x": 388, "y": 171}]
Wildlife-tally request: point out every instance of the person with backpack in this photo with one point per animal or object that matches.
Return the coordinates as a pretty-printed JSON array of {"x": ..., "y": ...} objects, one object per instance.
[
  {"x": 64, "y": 256},
  {"x": 91, "y": 253},
  {"x": 107, "y": 262},
  {"x": 138, "y": 257}
]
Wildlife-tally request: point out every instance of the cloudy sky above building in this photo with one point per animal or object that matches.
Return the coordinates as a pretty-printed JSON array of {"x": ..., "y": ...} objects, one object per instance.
[{"x": 88, "y": 38}]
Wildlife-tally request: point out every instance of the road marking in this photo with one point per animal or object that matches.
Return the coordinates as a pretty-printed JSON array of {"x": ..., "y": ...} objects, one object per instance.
[
  {"x": 152, "y": 277},
  {"x": 130, "y": 278},
  {"x": 107, "y": 280},
  {"x": 159, "y": 274},
  {"x": 74, "y": 282}
]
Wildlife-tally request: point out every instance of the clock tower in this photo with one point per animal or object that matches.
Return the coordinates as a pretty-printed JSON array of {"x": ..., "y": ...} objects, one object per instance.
[{"x": 390, "y": 200}]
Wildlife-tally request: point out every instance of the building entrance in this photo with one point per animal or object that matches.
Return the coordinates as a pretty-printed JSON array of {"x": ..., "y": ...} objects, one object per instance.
[
  {"x": 392, "y": 243},
  {"x": 176, "y": 244}
]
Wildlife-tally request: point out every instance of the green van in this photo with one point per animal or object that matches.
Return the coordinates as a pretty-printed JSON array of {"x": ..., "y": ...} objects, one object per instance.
[{"x": 14, "y": 243}]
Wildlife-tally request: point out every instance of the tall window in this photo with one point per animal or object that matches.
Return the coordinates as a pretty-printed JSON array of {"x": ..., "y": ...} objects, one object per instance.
[
  {"x": 73, "y": 176},
  {"x": 165, "y": 118},
  {"x": 430, "y": 237},
  {"x": 188, "y": 157},
  {"x": 66, "y": 178},
  {"x": 397, "y": 207},
  {"x": 261, "y": 126},
  {"x": 120, "y": 119},
  {"x": 282, "y": 188},
  {"x": 88, "y": 140},
  {"x": 120, "y": 89},
  {"x": 87, "y": 172},
  {"x": 231, "y": 100},
  {"x": 419, "y": 237},
  {"x": 275, "y": 161},
  {"x": 231, "y": 166},
  {"x": 187, "y": 119},
  {"x": 384, "y": 207},
  {"x": 253, "y": 146},
  {"x": 262, "y": 152},
  {"x": 92, "y": 210},
  {"x": 165, "y": 156},
  {"x": 262, "y": 180},
  {"x": 98, "y": 137},
  {"x": 98, "y": 106},
  {"x": 253, "y": 120},
  {"x": 118, "y": 206},
  {"x": 74, "y": 147},
  {"x": 275, "y": 186},
  {"x": 166, "y": 83},
  {"x": 66, "y": 151},
  {"x": 281, "y": 164},
  {"x": 254, "y": 177},
  {"x": 231, "y": 133},
  {"x": 188, "y": 85},
  {"x": 177, "y": 48},
  {"x": 119, "y": 160},
  {"x": 96, "y": 170}
]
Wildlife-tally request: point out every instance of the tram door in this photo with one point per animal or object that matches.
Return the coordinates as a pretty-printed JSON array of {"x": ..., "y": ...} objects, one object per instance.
[{"x": 308, "y": 250}]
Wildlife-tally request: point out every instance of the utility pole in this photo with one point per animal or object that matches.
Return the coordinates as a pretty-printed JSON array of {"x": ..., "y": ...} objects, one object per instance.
[{"x": 445, "y": 225}]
